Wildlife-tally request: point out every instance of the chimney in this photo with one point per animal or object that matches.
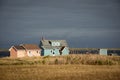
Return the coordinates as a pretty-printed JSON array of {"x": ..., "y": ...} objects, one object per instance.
[{"x": 42, "y": 39}]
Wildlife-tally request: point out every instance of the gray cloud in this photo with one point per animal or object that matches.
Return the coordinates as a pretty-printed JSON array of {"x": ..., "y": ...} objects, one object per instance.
[{"x": 78, "y": 21}]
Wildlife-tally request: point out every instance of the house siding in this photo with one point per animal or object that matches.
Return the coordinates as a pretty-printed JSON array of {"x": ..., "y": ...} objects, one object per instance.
[
  {"x": 21, "y": 53},
  {"x": 65, "y": 51},
  {"x": 31, "y": 53},
  {"x": 47, "y": 52},
  {"x": 51, "y": 52},
  {"x": 56, "y": 51},
  {"x": 17, "y": 53},
  {"x": 13, "y": 53},
  {"x": 42, "y": 52}
]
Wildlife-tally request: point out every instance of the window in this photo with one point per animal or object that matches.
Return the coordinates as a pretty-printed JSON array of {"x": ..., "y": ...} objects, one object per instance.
[
  {"x": 37, "y": 51},
  {"x": 53, "y": 54},
  {"x": 30, "y": 54},
  {"x": 49, "y": 42},
  {"x": 55, "y": 44}
]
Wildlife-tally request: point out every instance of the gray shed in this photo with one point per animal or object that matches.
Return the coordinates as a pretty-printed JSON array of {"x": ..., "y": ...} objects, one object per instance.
[{"x": 103, "y": 51}]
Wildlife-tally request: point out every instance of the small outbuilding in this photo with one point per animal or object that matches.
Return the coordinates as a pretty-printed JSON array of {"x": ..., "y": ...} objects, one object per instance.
[
  {"x": 25, "y": 50},
  {"x": 103, "y": 51}
]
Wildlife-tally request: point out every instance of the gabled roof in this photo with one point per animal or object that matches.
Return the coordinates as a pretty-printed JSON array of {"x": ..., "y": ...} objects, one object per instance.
[
  {"x": 18, "y": 47},
  {"x": 30, "y": 46},
  {"x": 62, "y": 48},
  {"x": 48, "y": 42}
]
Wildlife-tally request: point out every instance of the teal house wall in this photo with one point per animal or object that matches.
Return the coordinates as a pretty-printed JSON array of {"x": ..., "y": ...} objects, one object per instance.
[
  {"x": 65, "y": 51},
  {"x": 47, "y": 52},
  {"x": 51, "y": 52},
  {"x": 54, "y": 47}
]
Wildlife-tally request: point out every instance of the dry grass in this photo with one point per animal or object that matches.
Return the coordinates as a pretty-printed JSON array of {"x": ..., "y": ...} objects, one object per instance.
[
  {"x": 59, "y": 72},
  {"x": 70, "y": 59},
  {"x": 72, "y": 67}
]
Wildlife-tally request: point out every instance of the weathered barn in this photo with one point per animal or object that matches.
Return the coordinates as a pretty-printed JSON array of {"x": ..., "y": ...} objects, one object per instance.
[
  {"x": 25, "y": 50},
  {"x": 54, "y": 47}
]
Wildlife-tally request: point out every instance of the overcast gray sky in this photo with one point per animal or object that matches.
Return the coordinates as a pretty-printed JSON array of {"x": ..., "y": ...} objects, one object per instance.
[{"x": 83, "y": 23}]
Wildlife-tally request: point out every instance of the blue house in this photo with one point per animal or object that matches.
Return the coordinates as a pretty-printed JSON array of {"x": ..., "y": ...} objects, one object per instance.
[{"x": 54, "y": 47}]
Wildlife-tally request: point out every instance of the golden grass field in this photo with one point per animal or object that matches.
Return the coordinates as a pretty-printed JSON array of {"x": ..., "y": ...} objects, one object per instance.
[
  {"x": 60, "y": 72},
  {"x": 72, "y": 67}
]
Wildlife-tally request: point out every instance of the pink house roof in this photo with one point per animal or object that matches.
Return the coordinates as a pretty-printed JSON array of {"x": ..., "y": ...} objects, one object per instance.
[
  {"x": 18, "y": 47},
  {"x": 30, "y": 46}
]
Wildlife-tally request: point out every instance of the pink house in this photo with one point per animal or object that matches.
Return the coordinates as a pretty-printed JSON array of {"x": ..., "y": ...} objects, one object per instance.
[{"x": 25, "y": 50}]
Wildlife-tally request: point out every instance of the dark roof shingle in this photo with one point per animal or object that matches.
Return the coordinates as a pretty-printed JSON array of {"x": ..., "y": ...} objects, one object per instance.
[
  {"x": 30, "y": 46},
  {"x": 19, "y": 47},
  {"x": 47, "y": 42}
]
